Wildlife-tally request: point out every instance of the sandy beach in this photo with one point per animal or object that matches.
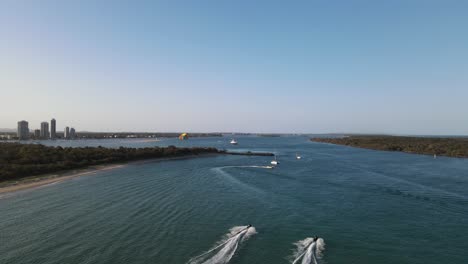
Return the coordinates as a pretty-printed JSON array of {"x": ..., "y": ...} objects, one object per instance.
[
  {"x": 46, "y": 179},
  {"x": 37, "y": 181}
]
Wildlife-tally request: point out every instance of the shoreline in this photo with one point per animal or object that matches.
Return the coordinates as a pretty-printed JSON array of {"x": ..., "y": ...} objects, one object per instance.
[
  {"x": 46, "y": 179},
  {"x": 444, "y": 147},
  {"x": 36, "y": 181}
]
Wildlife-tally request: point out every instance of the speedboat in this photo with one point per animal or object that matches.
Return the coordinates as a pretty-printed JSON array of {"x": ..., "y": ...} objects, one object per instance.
[
  {"x": 233, "y": 142},
  {"x": 274, "y": 162},
  {"x": 298, "y": 157}
]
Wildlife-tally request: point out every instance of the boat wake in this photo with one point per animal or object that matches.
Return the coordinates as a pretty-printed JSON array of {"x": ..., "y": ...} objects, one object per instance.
[
  {"x": 249, "y": 166},
  {"x": 254, "y": 166},
  {"x": 225, "y": 249},
  {"x": 308, "y": 251}
]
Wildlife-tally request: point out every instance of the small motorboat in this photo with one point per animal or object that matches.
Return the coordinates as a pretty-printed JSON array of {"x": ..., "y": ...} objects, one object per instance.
[
  {"x": 298, "y": 156},
  {"x": 233, "y": 142},
  {"x": 274, "y": 162}
]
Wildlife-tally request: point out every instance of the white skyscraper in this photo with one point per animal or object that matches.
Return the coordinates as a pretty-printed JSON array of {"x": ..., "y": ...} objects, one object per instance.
[{"x": 23, "y": 130}]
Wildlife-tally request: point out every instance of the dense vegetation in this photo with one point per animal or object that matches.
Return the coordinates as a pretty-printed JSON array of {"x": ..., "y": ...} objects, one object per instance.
[
  {"x": 452, "y": 147},
  {"x": 22, "y": 160}
]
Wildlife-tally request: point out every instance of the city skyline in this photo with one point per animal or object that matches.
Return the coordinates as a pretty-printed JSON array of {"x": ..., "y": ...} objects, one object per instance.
[
  {"x": 311, "y": 67},
  {"x": 24, "y": 132}
]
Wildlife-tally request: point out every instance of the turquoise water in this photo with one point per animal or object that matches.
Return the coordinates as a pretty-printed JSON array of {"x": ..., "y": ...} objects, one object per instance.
[{"x": 368, "y": 206}]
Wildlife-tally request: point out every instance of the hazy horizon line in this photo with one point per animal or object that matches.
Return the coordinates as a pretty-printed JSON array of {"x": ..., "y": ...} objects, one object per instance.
[{"x": 13, "y": 130}]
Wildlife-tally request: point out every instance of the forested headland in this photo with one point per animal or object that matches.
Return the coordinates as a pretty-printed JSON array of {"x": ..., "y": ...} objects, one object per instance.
[
  {"x": 451, "y": 147},
  {"x": 22, "y": 160}
]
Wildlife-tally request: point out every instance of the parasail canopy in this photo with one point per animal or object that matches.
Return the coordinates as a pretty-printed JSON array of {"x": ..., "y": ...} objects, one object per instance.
[{"x": 183, "y": 136}]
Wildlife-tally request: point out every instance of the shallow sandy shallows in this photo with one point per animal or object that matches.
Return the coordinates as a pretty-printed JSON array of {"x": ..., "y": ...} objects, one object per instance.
[{"x": 53, "y": 178}]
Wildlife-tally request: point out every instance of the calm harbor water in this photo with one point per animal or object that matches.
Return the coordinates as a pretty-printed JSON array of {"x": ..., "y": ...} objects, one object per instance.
[{"x": 368, "y": 206}]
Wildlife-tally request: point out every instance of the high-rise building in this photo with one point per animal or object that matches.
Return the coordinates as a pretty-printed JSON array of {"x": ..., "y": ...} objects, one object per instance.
[
  {"x": 37, "y": 133},
  {"x": 44, "y": 130},
  {"x": 23, "y": 130},
  {"x": 53, "y": 131},
  {"x": 66, "y": 133},
  {"x": 72, "y": 133}
]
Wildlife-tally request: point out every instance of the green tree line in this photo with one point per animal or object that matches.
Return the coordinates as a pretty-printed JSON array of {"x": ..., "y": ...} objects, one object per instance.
[
  {"x": 451, "y": 147},
  {"x": 21, "y": 160}
]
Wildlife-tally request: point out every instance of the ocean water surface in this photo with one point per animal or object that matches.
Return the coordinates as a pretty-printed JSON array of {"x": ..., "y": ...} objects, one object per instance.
[{"x": 367, "y": 206}]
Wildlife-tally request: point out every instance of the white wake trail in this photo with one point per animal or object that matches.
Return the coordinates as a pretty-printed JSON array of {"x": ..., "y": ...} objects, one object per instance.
[
  {"x": 308, "y": 251},
  {"x": 226, "y": 248},
  {"x": 253, "y": 166},
  {"x": 249, "y": 166}
]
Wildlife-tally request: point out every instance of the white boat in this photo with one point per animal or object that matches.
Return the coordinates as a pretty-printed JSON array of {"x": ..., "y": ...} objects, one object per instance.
[
  {"x": 233, "y": 142},
  {"x": 274, "y": 162},
  {"x": 298, "y": 157}
]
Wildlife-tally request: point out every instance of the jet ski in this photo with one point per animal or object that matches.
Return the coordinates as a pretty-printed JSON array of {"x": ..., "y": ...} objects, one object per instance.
[{"x": 245, "y": 229}]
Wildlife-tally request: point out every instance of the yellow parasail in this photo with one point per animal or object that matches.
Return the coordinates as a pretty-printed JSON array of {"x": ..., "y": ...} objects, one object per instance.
[{"x": 183, "y": 136}]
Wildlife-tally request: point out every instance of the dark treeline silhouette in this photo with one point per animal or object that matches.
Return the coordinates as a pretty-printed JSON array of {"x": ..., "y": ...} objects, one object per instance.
[
  {"x": 451, "y": 147},
  {"x": 21, "y": 160}
]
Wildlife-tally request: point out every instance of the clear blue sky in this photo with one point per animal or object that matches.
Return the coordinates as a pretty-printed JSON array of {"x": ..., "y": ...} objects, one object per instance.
[{"x": 252, "y": 66}]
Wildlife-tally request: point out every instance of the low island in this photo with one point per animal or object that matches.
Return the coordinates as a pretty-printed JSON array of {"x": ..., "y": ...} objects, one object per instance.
[
  {"x": 23, "y": 164},
  {"x": 450, "y": 147}
]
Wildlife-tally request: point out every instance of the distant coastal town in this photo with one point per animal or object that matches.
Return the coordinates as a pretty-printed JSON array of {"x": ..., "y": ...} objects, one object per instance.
[
  {"x": 46, "y": 132},
  {"x": 43, "y": 133}
]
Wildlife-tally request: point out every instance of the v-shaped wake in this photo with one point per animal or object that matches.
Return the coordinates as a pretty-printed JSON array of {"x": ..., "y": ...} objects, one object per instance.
[
  {"x": 308, "y": 251},
  {"x": 226, "y": 247}
]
